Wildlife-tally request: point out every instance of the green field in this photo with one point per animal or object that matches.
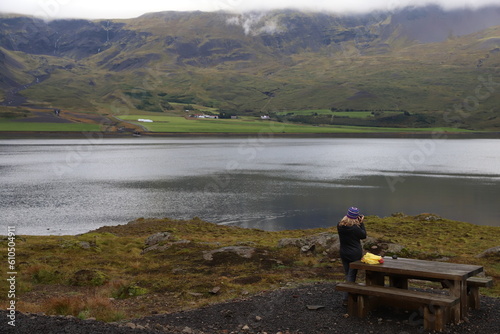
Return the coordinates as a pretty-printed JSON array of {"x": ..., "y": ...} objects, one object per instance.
[
  {"x": 179, "y": 124},
  {"x": 35, "y": 126},
  {"x": 328, "y": 112}
]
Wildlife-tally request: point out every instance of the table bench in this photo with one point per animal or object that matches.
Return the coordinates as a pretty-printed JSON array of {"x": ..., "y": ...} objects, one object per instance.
[
  {"x": 473, "y": 285},
  {"x": 400, "y": 270},
  {"x": 438, "y": 309}
]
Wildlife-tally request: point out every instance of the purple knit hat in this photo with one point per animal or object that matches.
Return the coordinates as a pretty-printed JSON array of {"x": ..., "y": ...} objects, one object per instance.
[{"x": 353, "y": 213}]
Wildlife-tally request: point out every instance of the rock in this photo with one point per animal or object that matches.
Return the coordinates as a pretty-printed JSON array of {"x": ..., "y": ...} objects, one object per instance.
[
  {"x": 307, "y": 248},
  {"x": 195, "y": 294},
  {"x": 84, "y": 244},
  {"x": 325, "y": 241},
  {"x": 295, "y": 242},
  {"x": 159, "y": 242},
  {"x": 157, "y": 238},
  {"x": 159, "y": 247},
  {"x": 428, "y": 217},
  {"x": 241, "y": 251},
  {"x": 377, "y": 247},
  {"x": 368, "y": 242},
  {"x": 245, "y": 328},
  {"x": 257, "y": 318},
  {"x": 394, "y": 248},
  {"x": 315, "y": 307},
  {"x": 494, "y": 251},
  {"x": 215, "y": 290},
  {"x": 187, "y": 330},
  {"x": 130, "y": 325}
]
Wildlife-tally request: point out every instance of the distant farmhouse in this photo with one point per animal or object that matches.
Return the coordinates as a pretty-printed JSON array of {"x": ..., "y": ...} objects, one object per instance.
[{"x": 204, "y": 116}]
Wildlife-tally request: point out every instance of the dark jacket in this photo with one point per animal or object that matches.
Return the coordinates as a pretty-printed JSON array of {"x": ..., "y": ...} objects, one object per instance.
[{"x": 350, "y": 244}]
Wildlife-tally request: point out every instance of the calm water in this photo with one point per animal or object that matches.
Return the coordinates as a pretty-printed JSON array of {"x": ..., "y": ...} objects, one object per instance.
[{"x": 73, "y": 186}]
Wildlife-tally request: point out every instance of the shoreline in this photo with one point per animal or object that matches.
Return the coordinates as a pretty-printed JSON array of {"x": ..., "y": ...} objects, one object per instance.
[
  {"x": 129, "y": 222},
  {"x": 95, "y": 135}
]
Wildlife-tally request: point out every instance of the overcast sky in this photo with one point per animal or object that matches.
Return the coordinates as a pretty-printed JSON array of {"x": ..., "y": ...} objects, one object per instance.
[{"x": 93, "y": 9}]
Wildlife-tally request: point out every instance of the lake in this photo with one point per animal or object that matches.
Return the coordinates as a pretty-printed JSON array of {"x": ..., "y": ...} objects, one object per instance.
[{"x": 72, "y": 186}]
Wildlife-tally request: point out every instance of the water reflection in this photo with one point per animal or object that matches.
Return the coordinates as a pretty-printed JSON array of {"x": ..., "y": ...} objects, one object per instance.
[{"x": 280, "y": 184}]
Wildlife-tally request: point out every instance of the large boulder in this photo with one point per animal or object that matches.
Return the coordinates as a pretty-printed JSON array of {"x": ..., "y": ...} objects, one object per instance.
[
  {"x": 245, "y": 252},
  {"x": 377, "y": 247},
  {"x": 160, "y": 242},
  {"x": 330, "y": 243},
  {"x": 490, "y": 252},
  {"x": 157, "y": 238}
]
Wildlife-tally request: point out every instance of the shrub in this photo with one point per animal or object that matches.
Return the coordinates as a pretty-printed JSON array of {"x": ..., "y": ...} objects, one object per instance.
[
  {"x": 43, "y": 275},
  {"x": 96, "y": 307},
  {"x": 88, "y": 278},
  {"x": 129, "y": 290}
]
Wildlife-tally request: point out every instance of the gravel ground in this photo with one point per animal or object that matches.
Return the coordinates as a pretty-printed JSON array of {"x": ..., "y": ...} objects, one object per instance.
[{"x": 310, "y": 309}]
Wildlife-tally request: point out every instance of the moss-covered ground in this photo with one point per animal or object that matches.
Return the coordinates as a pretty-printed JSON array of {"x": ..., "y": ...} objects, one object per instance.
[{"x": 104, "y": 274}]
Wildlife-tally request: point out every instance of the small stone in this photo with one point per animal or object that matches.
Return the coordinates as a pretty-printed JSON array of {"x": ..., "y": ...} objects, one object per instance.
[
  {"x": 258, "y": 318},
  {"x": 84, "y": 244},
  {"x": 158, "y": 327},
  {"x": 130, "y": 325},
  {"x": 215, "y": 290},
  {"x": 245, "y": 328},
  {"x": 187, "y": 330},
  {"x": 195, "y": 294}
]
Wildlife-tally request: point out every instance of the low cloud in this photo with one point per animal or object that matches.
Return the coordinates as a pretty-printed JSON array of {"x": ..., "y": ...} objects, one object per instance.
[
  {"x": 99, "y": 9},
  {"x": 256, "y": 23}
]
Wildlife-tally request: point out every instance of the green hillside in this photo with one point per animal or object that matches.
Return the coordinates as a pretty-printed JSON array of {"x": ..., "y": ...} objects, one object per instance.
[{"x": 275, "y": 63}]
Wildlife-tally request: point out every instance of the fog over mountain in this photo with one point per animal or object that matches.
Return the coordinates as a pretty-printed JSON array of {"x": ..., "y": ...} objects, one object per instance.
[{"x": 112, "y": 9}]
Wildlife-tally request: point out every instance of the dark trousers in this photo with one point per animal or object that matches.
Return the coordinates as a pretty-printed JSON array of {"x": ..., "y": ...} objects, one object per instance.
[{"x": 350, "y": 274}]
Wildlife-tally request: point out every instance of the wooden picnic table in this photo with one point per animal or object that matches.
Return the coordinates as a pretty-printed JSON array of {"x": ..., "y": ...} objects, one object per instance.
[{"x": 400, "y": 270}]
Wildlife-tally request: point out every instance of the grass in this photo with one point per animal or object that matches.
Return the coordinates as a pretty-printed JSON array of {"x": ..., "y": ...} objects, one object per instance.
[
  {"x": 179, "y": 124},
  {"x": 6, "y": 125},
  {"x": 179, "y": 277}
]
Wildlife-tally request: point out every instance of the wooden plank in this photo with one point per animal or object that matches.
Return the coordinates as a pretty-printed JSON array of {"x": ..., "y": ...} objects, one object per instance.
[
  {"x": 434, "y": 319},
  {"x": 482, "y": 282},
  {"x": 421, "y": 268},
  {"x": 473, "y": 285},
  {"x": 438, "y": 309},
  {"x": 407, "y": 295}
]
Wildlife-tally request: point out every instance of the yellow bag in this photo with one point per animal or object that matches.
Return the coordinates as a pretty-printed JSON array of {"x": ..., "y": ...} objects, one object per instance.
[{"x": 372, "y": 258}]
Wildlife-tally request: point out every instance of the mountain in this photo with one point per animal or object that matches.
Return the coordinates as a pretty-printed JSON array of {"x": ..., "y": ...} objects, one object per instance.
[{"x": 439, "y": 66}]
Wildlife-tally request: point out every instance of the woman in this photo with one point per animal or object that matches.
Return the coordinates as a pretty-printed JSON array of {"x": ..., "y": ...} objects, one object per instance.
[{"x": 351, "y": 230}]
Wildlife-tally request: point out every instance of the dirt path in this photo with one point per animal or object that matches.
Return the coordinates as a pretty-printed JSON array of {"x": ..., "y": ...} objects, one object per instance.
[{"x": 311, "y": 309}]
